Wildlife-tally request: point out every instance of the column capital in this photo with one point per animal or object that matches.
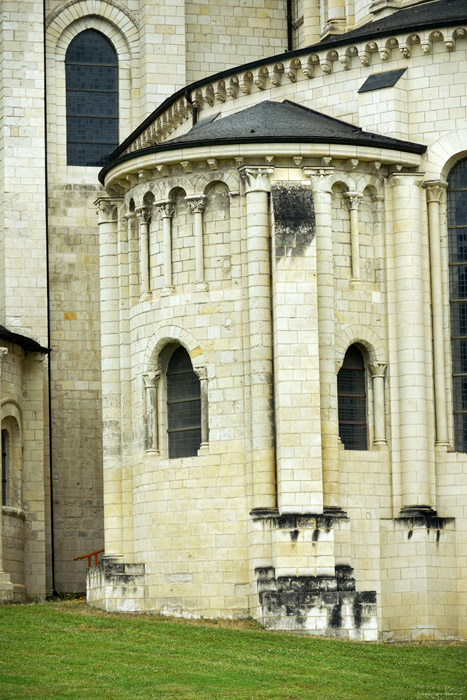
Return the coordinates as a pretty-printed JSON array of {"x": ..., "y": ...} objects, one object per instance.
[
  {"x": 106, "y": 208},
  {"x": 256, "y": 179},
  {"x": 201, "y": 372},
  {"x": 143, "y": 214},
  {"x": 353, "y": 199},
  {"x": 404, "y": 179},
  {"x": 130, "y": 215},
  {"x": 319, "y": 178},
  {"x": 434, "y": 189},
  {"x": 166, "y": 207},
  {"x": 197, "y": 203},
  {"x": 377, "y": 369}
]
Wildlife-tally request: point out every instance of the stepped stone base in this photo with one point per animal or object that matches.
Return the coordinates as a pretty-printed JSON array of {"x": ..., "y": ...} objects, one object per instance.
[
  {"x": 318, "y": 605},
  {"x": 116, "y": 587}
]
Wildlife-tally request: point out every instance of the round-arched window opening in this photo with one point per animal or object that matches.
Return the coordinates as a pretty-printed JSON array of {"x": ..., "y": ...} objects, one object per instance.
[
  {"x": 91, "y": 67},
  {"x": 183, "y": 406}
]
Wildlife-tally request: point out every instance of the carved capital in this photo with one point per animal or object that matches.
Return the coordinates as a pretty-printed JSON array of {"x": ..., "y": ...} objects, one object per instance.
[
  {"x": 143, "y": 215},
  {"x": 151, "y": 380},
  {"x": 378, "y": 369},
  {"x": 166, "y": 208},
  {"x": 201, "y": 372},
  {"x": 256, "y": 179},
  {"x": 106, "y": 209},
  {"x": 320, "y": 178},
  {"x": 434, "y": 190},
  {"x": 405, "y": 179},
  {"x": 197, "y": 203},
  {"x": 353, "y": 199}
]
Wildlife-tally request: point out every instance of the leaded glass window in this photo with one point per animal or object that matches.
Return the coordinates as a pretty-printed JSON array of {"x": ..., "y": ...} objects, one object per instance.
[
  {"x": 457, "y": 237},
  {"x": 183, "y": 406},
  {"x": 5, "y": 466},
  {"x": 91, "y": 99},
  {"x": 351, "y": 397}
]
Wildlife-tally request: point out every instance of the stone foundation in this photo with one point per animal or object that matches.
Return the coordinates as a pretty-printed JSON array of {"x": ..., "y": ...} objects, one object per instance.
[
  {"x": 116, "y": 587},
  {"x": 318, "y": 605}
]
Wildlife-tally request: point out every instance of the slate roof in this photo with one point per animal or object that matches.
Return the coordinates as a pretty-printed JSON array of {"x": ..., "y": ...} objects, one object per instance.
[
  {"x": 438, "y": 13},
  {"x": 21, "y": 340},
  {"x": 279, "y": 122}
]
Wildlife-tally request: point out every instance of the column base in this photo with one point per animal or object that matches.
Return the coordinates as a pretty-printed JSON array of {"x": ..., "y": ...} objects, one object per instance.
[
  {"x": 201, "y": 286},
  {"x": 203, "y": 448},
  {"x": 334, "y": 512},
  {"x": 146, "y": 296},
  {"x": 356, "y": 284},
  {"x": 417, "y": 512},
  {"x": 167, "y": 291}
]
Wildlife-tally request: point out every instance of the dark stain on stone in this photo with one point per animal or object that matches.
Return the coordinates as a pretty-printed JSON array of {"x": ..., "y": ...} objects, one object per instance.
[
  {"x": 294, "y": 220},
  {"x": 438, "y": 534},
  {"x": 409, "y": 534},
  {"x": 357, "y": 612},
  {"x": 315, "y": 535},
  {"x": 336, "y": 616},
  {"x": 294, "y": 535}
]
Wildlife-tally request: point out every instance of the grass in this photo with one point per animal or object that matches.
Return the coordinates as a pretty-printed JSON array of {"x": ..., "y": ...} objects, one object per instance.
[{"x": 66, "y": 650}]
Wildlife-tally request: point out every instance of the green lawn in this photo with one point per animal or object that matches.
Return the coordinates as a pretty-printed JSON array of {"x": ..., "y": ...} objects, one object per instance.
[{"x": 66, "y": 650}]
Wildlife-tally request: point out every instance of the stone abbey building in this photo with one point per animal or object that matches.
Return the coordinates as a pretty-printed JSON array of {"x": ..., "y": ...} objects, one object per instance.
[{"x": 245, "y": 374}]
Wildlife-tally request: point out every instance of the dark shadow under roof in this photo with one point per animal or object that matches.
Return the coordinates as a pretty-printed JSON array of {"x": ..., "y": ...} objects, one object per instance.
[{"x": 22, "y": 340}]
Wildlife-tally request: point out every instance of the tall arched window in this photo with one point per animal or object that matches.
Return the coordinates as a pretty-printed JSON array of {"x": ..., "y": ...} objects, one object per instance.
[
  {"x": 183, "y": 406},
  {"x": 351, "y": 397},
  {"x": 91, "y": 99},
  {"x": 457, "y": 236},
  {"x": 5, "y": 466}
]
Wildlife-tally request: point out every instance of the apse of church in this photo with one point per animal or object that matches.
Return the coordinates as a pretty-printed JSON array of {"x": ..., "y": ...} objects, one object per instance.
[{"x": 253, "y": 355}]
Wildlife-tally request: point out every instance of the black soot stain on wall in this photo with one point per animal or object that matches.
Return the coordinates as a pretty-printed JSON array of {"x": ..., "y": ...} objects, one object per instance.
[{"x": 294, "y": 219}]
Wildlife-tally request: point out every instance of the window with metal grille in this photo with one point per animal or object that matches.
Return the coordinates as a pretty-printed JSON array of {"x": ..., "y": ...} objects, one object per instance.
[
  {"x": 5, "y": 465},
  {"x": 91, "y": 67},
  {"x": 457, "y": 237},
  {"x": 183, "y": 406},
  {"x": 351, "y": 397}
]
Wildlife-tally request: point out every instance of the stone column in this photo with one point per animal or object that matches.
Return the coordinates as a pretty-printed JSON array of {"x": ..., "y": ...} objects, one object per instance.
[
  {"x": 133, "y": 268},
  {"x": 415, "y": 449},
  {"x": 257, "y": 189},
  {"x": 203, "y": 381},
  {"x": 110, "y": 363},
  {"x": 321, "y": 186},
  {"x": 311, "y": 22},
  {"x": 434, "y": 192},
  {"x": 378, "y": 372},
  {"x": 336, "y": 16},
  {"x": 144, "y": 217},
  {"x": 354, "y": 199},
  {"x": 197, "y": 205},
  {"x": 167, "y": 209},
  {"x": 152, "y": 415}
]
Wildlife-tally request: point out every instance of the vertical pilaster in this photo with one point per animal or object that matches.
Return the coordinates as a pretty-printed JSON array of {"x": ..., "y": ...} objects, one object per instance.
[
  {"x": 144, "y": 217},
  {"x": 378, "y": 372},
  {"x": 197, "y": 205},
  {"x": 110, "y": 363},
  {"x": 434, "y": 192},
  {"x": 167, "y": 209},
  {"x": 321, "y": 186},
  {"x": 415, "y": 453},
  {"x": 4, "y": 578},
  {"x": 257, "y": 188},
  {"x": 354, "y": 199}
]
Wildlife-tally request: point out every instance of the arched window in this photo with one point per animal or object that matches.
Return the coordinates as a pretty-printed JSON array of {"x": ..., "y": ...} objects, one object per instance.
[
  {"x": 5, "y": 466},
  {"x": 183, "y": 406},
  {"x": 457, "y": 236},
  {"x": 351, "y": 397},
  {"x": 91, "y": 99}
]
